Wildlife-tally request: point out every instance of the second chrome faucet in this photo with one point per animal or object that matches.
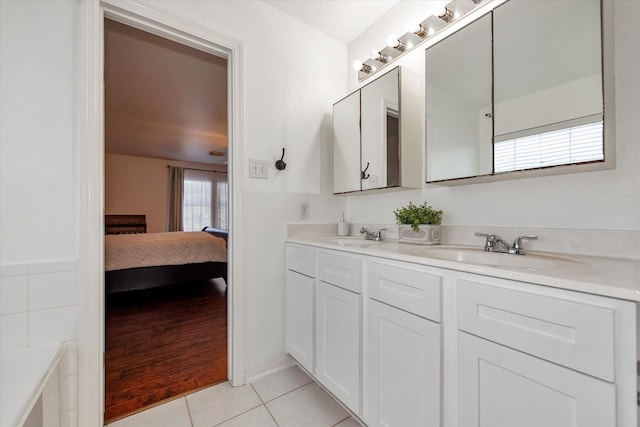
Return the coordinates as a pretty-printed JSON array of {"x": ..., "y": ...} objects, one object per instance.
[{"x": 494, "y": 243}]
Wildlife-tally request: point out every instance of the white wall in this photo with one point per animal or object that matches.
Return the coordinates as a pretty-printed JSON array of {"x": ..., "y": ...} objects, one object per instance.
[
  {"x": 38, "y": 153},
  {"x": 593, "y": 200},
  {"x": 291, "y": 76},
  {"x": 139, "y": 185}
]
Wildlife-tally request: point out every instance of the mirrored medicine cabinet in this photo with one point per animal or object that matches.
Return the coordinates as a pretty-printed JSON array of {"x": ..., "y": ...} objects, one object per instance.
[
  {"x": 378, "y": 135},
  {"x": 525, "y": 90}
]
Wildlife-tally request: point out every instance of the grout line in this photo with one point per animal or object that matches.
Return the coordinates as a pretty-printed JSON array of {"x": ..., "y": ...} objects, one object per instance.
[
  {"x": 289, "y": 392},
  {"x": 264, "y": 404},
  {"x": 186, "y": 402},
  {"x": 271, "y": 415},
  {"x": 342, "y": 420},
  {"x": 256, "y": 392}
]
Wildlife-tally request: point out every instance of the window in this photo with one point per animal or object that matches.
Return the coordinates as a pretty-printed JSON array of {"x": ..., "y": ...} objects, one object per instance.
[
  {"x": 576, "y": 144},
  {"x": 205, "y": 200}
]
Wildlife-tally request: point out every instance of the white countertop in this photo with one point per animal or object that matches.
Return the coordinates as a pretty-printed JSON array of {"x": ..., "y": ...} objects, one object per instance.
[
  {"x": 23, "y": 375},
  {"x": 611, "y": 277}
]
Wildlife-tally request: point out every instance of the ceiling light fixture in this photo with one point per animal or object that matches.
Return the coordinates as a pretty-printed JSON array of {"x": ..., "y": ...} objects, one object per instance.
[{"x": 417, "y": 32}]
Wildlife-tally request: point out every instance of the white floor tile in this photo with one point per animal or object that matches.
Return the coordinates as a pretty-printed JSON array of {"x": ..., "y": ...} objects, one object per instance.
[
  {"x": 171, "y": 414},
  {"x": 308, "y": 406},
  {"x": 220, "y": 403},
  {"x": 282, "y": 382},
  {"x": 258, "y": 417}
]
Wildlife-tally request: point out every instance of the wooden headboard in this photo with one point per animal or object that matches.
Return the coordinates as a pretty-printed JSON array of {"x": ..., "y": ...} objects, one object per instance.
[{"x": 125, "y": 224}]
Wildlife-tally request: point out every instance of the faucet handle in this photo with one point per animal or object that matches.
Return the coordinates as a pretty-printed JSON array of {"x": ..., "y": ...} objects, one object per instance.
[
  {"x": 378, "y": 235},
  {"x": 491, "y": 240},
  {"x": 363, "y": 230},
  {"x": 517, "y": 243}
]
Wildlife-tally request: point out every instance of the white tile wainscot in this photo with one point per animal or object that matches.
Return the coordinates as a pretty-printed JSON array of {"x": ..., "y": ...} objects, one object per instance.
[
  {"x": 38, "y": 315},
  {"x": 579, "y": 321}
]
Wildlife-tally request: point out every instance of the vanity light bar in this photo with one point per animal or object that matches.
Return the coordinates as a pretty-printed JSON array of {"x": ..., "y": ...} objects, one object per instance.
[{"x": 398, "y": 46}]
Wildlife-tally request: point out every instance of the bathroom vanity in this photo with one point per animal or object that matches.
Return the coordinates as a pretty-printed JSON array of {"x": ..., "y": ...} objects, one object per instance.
[{"x": 405, "y": 335}]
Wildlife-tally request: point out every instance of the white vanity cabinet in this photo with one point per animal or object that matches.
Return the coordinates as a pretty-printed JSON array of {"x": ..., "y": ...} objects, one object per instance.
[
  {"x": 534, "y": 356},
  {"x": 401, "y": 341},
  {"x": 299, "y": 305},
  {"x": 339, "y": 326},
  {"x": 404, "y": 344}
]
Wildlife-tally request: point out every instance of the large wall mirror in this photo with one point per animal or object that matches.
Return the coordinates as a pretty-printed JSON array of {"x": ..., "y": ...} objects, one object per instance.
[{"x": 520, "y": 92}]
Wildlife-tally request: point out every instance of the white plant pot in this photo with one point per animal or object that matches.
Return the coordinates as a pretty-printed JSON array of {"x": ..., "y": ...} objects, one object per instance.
[{"x": 426, "y": 235}]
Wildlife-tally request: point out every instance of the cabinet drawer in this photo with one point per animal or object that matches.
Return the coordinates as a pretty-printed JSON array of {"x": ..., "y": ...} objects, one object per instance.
[
  {"x": 302, "y": 260},
  {"x": 574, "y": 334},
  {"x": 340, "y": 270},
  {"x": 406, "y": 286}
]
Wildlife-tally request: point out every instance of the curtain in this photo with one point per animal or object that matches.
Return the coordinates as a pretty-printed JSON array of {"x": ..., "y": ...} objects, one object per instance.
[
  {"x": 176, "y": 196},
  {"x": 198, "y": 195},
  {"x": 221, "y": 198}
]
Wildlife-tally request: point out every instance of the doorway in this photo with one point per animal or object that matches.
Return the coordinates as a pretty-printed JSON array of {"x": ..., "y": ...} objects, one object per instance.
[
  {"x": 91, "y": 191},
  {"x": 166, "y": 121}
]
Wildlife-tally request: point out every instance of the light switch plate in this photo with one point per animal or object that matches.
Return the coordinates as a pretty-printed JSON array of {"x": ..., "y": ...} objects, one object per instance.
[
  {"x": 258, "y": 169},
  {"x": 305, "y": 210}
]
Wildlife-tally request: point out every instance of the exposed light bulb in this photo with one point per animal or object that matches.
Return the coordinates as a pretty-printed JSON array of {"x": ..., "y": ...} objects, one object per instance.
[
  {"x": 375, "y": 53},
  {"x": 414, "y": 26},
  {"x": 357, "y": 65},
  {"x": 392, "y": 40},
  {"x": 447, "y": 15}
]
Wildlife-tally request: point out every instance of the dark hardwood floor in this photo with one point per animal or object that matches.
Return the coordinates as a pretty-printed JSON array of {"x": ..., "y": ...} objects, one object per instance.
[{"x": 163, "y": 343}]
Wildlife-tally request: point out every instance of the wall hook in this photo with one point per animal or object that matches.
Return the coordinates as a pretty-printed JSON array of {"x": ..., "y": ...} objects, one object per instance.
[
  {"x": 364, "y": 174},
  {"x": 280, "y": 164}
]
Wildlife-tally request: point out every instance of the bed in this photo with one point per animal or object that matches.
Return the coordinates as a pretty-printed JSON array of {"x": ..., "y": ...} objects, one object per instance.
[{"x": 142, "y": 261}]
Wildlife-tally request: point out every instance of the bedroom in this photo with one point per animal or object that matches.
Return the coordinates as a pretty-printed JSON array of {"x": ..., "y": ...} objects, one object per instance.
[{"x": 165, "y": 170}]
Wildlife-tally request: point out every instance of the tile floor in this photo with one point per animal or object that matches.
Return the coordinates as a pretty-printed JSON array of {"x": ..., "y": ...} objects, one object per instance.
[{"x": 288, "y": 398}]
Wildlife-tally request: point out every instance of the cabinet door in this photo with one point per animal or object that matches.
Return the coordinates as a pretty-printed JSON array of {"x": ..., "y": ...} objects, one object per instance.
[
  {"x": 499, "y": 386},
  {"x": 299, "y": 318},
  {"x": 338, "y": 314},
  {"x": 346, "y": 144},
  {"x": 404, "y": 368}
]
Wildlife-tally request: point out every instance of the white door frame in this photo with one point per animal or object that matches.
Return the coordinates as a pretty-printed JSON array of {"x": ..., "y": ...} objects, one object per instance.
[{"x": 90, "y": 127}]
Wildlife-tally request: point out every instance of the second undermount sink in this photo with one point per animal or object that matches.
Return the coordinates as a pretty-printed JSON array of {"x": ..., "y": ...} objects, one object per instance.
[{"x": 478, "y": 256}]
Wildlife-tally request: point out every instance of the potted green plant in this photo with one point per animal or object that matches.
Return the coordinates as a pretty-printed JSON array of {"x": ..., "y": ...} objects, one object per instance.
[{"x": 419, "y": 224}]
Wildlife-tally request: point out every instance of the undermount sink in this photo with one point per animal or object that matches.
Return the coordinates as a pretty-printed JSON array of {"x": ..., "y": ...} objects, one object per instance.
[
  {"x": 494, "y": 259},
  {"x": 352, "y": 241}
]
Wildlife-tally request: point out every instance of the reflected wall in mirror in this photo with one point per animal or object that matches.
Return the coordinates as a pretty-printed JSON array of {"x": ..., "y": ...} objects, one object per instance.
[
  {"x": 551, "y": 88},
  {"x": 547, "y": 84},
  {"x": 379, "y": 109},
  {"x": 458, "y": 104}
]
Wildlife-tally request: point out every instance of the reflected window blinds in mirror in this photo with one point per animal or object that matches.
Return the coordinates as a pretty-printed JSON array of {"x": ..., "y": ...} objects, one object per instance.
[
  {"x": 547, "y": 88},
  {"x": 544, "y": 72},
  {"x": 377, "y": 135}
]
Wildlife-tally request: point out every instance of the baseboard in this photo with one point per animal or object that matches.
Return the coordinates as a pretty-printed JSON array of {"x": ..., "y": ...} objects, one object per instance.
[{"x": 267, "y": 369}]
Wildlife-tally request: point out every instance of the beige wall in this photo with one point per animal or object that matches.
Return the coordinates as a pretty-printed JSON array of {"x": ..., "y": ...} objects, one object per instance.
[{"x": 138, "y": 185}]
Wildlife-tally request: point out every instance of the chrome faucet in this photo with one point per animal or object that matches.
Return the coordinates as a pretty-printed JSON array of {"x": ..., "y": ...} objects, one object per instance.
[
  {"x": 372, "y": 235},
  {"x": 494, "y": 243}
]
